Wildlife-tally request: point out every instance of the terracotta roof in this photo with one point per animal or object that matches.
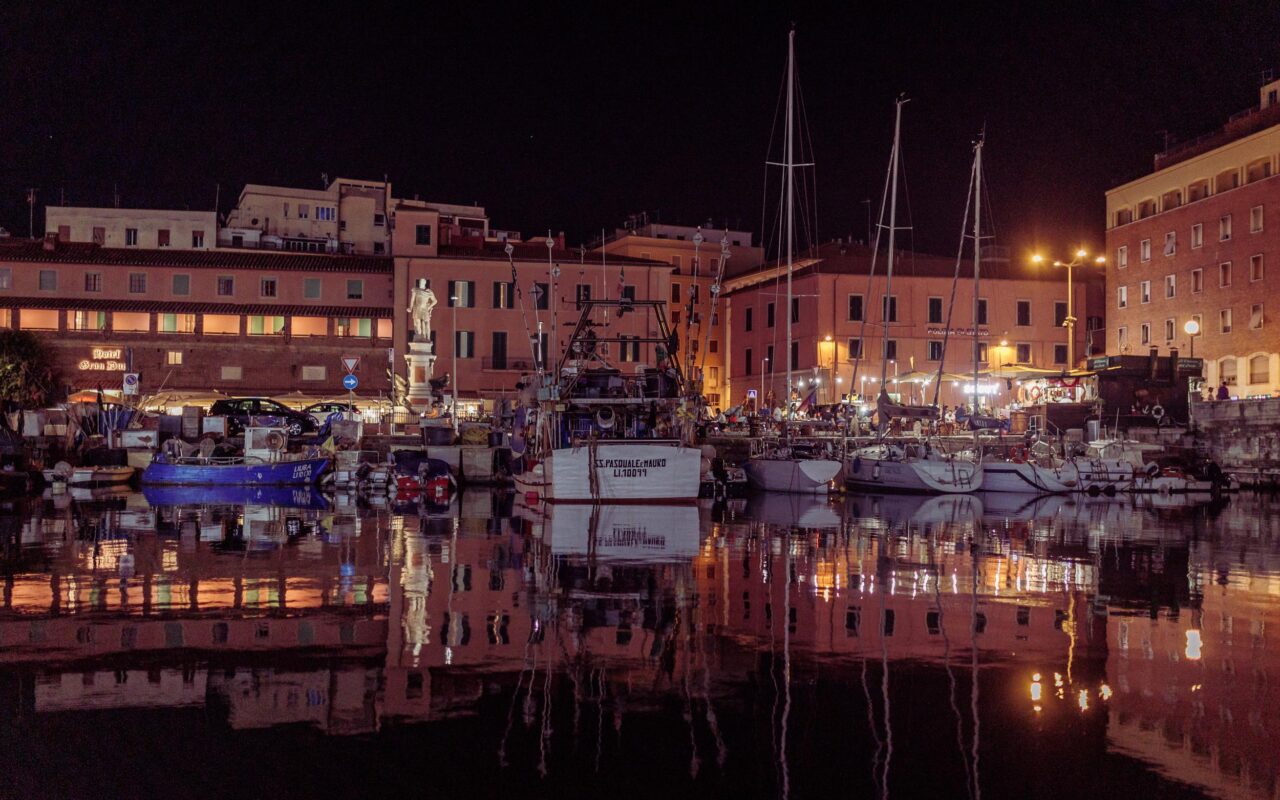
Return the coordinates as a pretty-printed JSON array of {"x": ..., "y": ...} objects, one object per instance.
[
  {"x": 188, "y": 307},
  {"x": 86, "y": 253},
  {"x": 536, "y": 250}
]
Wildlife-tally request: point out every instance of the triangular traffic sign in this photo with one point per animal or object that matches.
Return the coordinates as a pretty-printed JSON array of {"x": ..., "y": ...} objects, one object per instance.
[{"x": 351, "y": 362}]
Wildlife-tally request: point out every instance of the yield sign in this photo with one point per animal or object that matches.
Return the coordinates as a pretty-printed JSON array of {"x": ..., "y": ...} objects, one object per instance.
[{"x": 351, "y": 363}]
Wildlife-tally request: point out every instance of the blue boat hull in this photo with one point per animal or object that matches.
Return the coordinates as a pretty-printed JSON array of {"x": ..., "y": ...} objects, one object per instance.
[
  {"x": 276, "y": 496},
  {"x": 303, "y": 472}
]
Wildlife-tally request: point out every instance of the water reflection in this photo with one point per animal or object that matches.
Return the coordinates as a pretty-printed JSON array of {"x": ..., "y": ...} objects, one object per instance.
[{"x": 888, "y": 645}]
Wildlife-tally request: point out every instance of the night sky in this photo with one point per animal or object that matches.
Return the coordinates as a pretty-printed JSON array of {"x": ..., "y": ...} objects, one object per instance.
[{"x": 571, "y": 117}]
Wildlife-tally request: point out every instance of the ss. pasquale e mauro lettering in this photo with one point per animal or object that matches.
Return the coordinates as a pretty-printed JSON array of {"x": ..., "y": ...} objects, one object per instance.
[{"x": 630, "y": 467}]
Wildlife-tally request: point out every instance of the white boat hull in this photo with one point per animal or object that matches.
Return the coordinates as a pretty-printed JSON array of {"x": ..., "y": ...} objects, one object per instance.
[
  {"x": 622, "y": 473},
  {"x": 954, "y": 476},
  {"x": 1028, "y": 478},
  {"x": 795, "y": 475},
  {"x": 620, "y": 533}
]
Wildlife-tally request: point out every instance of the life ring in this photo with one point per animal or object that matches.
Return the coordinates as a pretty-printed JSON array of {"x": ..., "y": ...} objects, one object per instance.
[
  {"x": 1019, "y": 455},
  {"x": 1035, "y": 394},
  {"x": 605, "y": 418},
  {"x": 1157, "y": 411}
]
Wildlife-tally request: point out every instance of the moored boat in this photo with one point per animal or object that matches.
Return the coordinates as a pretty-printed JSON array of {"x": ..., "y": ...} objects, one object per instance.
[{"x": 232, "y": 471}]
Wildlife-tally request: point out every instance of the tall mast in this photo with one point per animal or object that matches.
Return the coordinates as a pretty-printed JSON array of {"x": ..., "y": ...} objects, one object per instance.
[
  {"x": 789, "y": 167},
  {"x": 893, "y": 229},
  {"x": 977, "y": 268}
]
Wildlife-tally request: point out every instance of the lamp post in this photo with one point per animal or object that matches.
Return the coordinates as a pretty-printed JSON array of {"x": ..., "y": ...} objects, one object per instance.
[
  {"x": 453, "y": 302},
  {"x": 1193, "y": 329},
  {"x": 1070, "y": 322},
  {"x": 764, "y": 364}
]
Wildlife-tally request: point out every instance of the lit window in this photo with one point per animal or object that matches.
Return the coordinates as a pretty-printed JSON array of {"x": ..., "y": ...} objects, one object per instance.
[
  {"x": 88, "y": 320},
  {"x": 1260, "y": 369},
  {"x": 464, "y": 344},
  {"x": 174, "y": 358},
  {"x": 177, "y": 323},
  {"x": 260, "y": 325},
  {"x": 1144, "y": 250}
]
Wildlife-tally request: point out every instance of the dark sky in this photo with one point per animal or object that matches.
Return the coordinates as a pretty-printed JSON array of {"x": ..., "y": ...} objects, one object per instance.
[{"x": 571, "y": 117}]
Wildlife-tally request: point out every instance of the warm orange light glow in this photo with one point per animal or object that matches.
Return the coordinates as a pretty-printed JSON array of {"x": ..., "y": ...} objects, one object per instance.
[
  {"x": 1081, "y": 253},
  {"x": 1100, "y": 260},
  {"x": 1037, "y": 258}
]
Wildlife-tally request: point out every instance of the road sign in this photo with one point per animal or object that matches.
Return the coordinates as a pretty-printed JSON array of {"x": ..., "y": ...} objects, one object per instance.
[
  {"x": 752, "y": 394},
  {"x": 350, "y": 382},
  {"x": 131, "y": 383},
  {"x": 352, "y": 363}
]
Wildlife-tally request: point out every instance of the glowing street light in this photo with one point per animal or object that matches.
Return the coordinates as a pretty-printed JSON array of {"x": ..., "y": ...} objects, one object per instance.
[
  {"x": 1070, "y": 322},
  {"x": 1193, "y": 329}
]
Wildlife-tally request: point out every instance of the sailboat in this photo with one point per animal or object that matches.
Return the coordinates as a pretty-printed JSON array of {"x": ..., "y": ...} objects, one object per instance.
[
  {"x": 785, "y": 465},
  {"x": 907, "y": 467}
]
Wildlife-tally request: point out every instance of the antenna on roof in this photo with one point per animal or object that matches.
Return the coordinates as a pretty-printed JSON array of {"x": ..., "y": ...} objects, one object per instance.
[
  {"x": 31, "y": 212},
  {"x": 115, "y": 194},
  {"x": 324, "y": 180},
  {"x": 1266, "y": 76}
]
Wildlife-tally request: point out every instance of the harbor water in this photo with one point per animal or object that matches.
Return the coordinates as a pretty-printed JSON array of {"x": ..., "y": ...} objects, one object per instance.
[{"x": 278, "y": 645}]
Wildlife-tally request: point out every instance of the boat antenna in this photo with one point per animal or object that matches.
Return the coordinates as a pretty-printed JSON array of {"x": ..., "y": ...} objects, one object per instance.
[
  {"x": 689, "y": 359},
  {"x": 955, "y": 280},
  {"x": 977, "y": 275},
  {"x": 535, "y": 341},
  {"x": 553, "y": 274},
  {"x": 715, "y": 295},
  {"x": 790, "y": 169}
]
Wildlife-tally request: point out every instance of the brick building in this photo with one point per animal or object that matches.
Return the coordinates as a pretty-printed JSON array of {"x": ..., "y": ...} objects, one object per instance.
[{"x": 1192, "y": 241}]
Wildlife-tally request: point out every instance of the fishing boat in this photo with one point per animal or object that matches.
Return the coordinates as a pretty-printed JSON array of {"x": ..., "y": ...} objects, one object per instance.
[
  {"x": 265, "y": 462},
  {"x": 594, "y": 434},
  {"x": 911, "y": 466},
  {"x": 786, "y": 465},
  {"x": 84, "y": 477}
]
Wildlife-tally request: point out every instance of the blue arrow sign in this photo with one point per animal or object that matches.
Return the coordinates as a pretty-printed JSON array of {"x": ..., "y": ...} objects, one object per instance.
[{"x": 350, "y": 382}]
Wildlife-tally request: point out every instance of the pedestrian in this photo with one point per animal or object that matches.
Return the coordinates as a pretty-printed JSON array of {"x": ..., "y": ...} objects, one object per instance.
[{"x": 1223, "y": 392}]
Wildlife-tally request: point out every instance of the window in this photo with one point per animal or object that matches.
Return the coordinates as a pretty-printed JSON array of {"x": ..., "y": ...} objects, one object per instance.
[
  {"x": 1227, "y": 371},
  {"x": 422, "y": 235},
  {"x": 1023, "y": 353},
  {"x": 855, "y": 308},
  {"x": 795, "y": 353},
  {"x": 1059, "y": 354},
  {"x": 1144, "y": 336},
  {"x": 1122, "y": 256},
  {"x": 355, "y": 290},
  {"x": 504, "y": 294},
  {"x": 267, "y": 287},
  {"x": 889, "y": 308},
  {"x": 173, "y": 358},
  {"x": 982, "y": 352},
  {"x": 1170, "y": 287},
  {"x": 1197, "y": 235},
  {"x": 355, "y": 327},
  {"x": 768, "y": 316},
  {"x": 99, "y": 235},
  {"x": 48, "y": 280},
  {"x": 891, "y": 350},
  {"x": 1169, "y": 328},
  {"x": 197, "y": 239},
  {"x": 1224, "y": 320},
  {"x": 1144, "y": 292},
  {"x": 227, "y": 324},
  {"x": 1122, "y": 297},
  {"x": 177, "y": 323},
  {"x": 498, "y": 349},
  {"x": 462, "y": 294},
  {"x": 675, "y": 262},
  {"x": 1258, "y": 170},
  {"x": 768, "y": 356},
  {"x": 1024, "y": 313},
  {"x": 1144, "y": 250},
  {"x": 1197, "y": 281},
  {"x": 1224, "y": 227},
  {"x": 232, "y": 373},
  {"x": 379, "y": 219},
  {"x": 6, "y": 278},
  {"x": 313, "y": 373},
  {"x": 1170, "y": 243},
  {"x": 713, "y": 346},
  {"x": 795, "y": 310},
  {"x": 1255, "y": 267},
  {"x": 1227, "y": 179},
  {"x": 855, "y": 349},
  {"x": 93, "y": 281},
  {"x": 541, "y": 295},
  {"x": 1260, "y": 369},
  {"x": 304, "y": 210},
  {"x": 162, "y": 237},
  {"x": 1059, "y": 313},
  {"x": 1124, "y": 216},
  {"x": 137, "y": 283},
  {"x": 713, "y": 376},
  {"x": 675, "y": 293},
  {"x": 464, "y": 343},
  {"x": 1255, "y": 317},
  {"x": 181, "y": 285},
  {"x": 88, "y": 320},
  {"x": 629, "y": 348},
  {"x": 226, "y": 286},
  {"x": 582, "y": 294},
  {"x": 935, "y": 309},
  {"x": 326, "y": 213},
  {"x": 749, "y": 359},
  {"x": 311, "y": 288},
  {"x": 1255, "y": 219},
  {"x": 379, "y": 248},
  {"x": 1122, "y": 338},
  {"x": 935, "y": 351},
  {"x": 131, "y": 237},
  {"x": 1224, "y": 274},
  {"x": 746, "y": 321},
  {"x": 260, "y": 325}
]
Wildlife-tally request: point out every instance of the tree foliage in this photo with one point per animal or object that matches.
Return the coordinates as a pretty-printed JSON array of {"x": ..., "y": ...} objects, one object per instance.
[{"x": 26, "y": 370}]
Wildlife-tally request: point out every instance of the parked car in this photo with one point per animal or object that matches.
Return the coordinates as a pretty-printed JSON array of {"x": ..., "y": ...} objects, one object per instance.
[
  {"x": 320, "y": 411},
  {"x": 242, "y": 412}
]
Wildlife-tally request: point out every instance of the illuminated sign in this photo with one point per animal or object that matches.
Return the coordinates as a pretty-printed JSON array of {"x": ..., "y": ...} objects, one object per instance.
[
  {"x": 932, "y": 331},
  {"x": 102, "y": 359}
]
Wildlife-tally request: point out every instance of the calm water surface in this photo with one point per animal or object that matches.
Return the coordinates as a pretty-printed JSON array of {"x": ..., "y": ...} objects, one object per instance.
[{"x": 980, "y": 647}]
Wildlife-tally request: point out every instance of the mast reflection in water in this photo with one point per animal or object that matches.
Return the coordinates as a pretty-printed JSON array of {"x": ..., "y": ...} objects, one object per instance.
[{"x": 782, "y": 647}]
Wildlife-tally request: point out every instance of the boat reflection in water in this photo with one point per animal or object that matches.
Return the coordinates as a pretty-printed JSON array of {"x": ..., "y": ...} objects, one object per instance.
[{"x": 951, "y": 645}]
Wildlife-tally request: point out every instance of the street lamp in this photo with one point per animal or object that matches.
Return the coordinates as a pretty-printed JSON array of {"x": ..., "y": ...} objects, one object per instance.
[
  {"x": 1193, "y": 329},
  {"x": 1070, "y": 321}
]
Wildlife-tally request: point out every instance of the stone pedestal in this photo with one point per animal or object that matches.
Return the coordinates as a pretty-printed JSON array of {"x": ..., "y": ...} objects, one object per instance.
[{"x": 422, "y": 363}]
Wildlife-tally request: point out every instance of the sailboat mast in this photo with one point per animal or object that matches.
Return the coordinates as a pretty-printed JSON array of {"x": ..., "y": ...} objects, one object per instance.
[
  {"x": 893, "y": 229},
  {"x": 977, "y": 269},
  {"x": 790, "y": 209}
]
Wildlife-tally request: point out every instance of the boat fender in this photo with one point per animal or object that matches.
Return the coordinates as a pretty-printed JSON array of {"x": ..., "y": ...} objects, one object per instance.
[
  {"x": 1157, "y": 411},
  {"x": 857, "y": 463},
  {"x": 875, "y": 471},
  {"x": 605, "y": 418}
]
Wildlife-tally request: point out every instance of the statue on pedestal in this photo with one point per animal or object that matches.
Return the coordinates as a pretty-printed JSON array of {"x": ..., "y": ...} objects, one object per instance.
[{"x": 421, "y": 303}]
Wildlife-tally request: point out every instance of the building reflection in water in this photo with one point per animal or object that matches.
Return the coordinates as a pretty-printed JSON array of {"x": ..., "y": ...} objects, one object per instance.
[{"x": 971, "y": 632}]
